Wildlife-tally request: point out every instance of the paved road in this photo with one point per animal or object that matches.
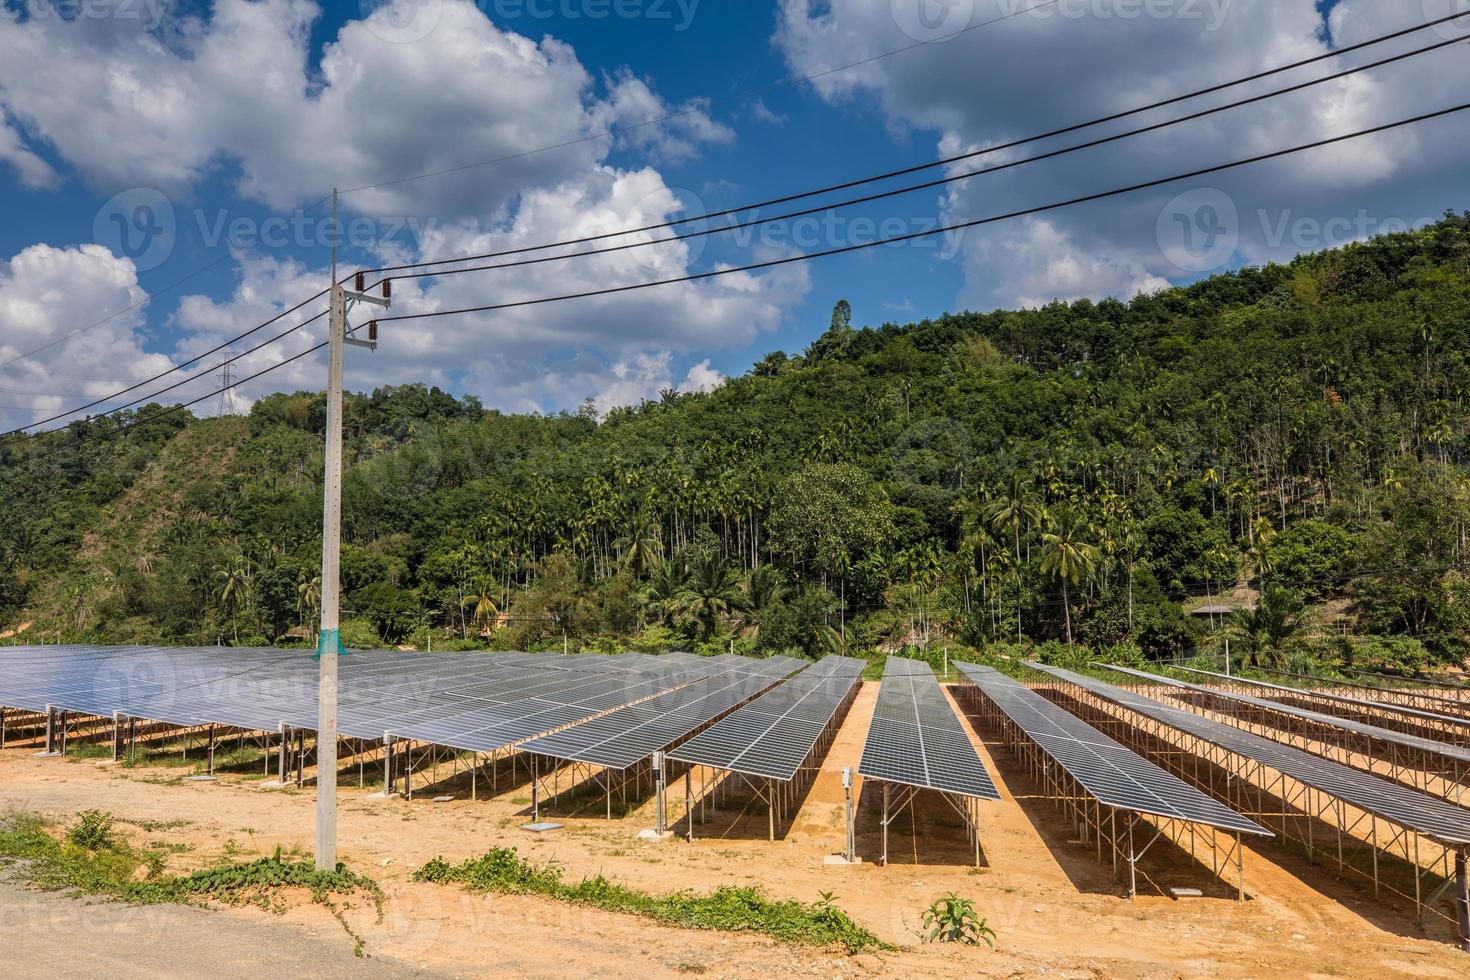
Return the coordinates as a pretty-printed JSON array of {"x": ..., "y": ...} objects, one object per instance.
[{"x": 50, "y": 936}]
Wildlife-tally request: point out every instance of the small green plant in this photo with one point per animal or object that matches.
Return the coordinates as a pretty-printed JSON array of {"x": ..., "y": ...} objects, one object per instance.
[
  {"x": 89, "y": 859},
  {"x": 93, "y": 830},
  {"x": 727, "y": 908},
  {"x": 952, "y": 919}
]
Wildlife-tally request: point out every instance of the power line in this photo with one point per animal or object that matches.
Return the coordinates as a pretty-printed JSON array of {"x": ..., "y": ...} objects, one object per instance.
[
  {"x": 938, "y": 182},
  {"x": 610, "y": 132},
  {"x": 179, "y": 367},
  {"x": 619, "y": 130},
  {"x": 959, "y": 226},
  {"x": 917, "y": 168},
  {"x": 853, "y": 248},
  {"x": 108, "y": 433},
  {"x": 807, "y": 194}
]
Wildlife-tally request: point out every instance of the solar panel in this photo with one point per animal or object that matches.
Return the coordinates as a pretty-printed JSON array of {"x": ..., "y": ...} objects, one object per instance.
[
  {"x": 1430, "y": 746},
  {"x": 1113, "y": 774},
  {"x": 1343, "y": 699},
  {"x": 1429, "y": 815},
  {"x": 626, "y": 736},
  {"x": 476, "y": 701},
  {"x": 916, "y": 739},
  {"x": 776, "y": 732}
]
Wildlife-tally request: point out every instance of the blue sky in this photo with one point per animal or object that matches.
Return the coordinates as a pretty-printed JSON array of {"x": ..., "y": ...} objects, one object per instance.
[{"x": 148, "y": 123}]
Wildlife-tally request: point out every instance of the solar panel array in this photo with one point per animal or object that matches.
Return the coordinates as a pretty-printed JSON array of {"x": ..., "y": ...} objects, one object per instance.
[
  {"x": 474, "y": 701},
  {"x": 622, "y": 738},
  {"x": 916, "y": 739},
  {"x": 775, "y": 733},
  {"x": 1344, "y": 699},
  {"x": 1428, "y": 745},
  {"x": 1112, "y": 774},
  {"x": 1392, "y": 801}
]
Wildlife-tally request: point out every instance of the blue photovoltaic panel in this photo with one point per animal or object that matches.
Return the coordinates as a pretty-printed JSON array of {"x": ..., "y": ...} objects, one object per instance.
[
  {"x": 916, "y": 739},
  {"x": 624, "y": 737},
  {"x": 1430, "y": 746},
  {"x": 774, "y": 734},
  {"x": 1111, "y": 773},
  {"x": 1428, "y": 815},
  {"x": 476, "y": 701}
]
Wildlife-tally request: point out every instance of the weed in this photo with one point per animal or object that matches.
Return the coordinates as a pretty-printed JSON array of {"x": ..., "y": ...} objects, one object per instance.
[
  {"x": 952, "y": 919},
  {"x": 727, "y": 908},
  {"x": 92, "y": 832},
  {"x": 90, "y": 860}
]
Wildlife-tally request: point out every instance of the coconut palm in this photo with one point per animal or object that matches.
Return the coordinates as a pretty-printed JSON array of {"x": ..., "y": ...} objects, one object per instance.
[
  {"x": 711, "y": 591},
  {"x": 480, "y": 600},
  {"x": 308, "y": 599},
  {"x": 1016, "y": 508},
  {"x": 1268, "y": 631},
  {"x": 1067, "y": 555}
]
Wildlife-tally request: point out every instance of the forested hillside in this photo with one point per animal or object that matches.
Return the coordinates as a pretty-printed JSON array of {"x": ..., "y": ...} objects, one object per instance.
[{"x": 1289, "y": 439}]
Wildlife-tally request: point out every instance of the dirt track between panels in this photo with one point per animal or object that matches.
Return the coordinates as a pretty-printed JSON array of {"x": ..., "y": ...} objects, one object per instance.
[{"x": 1053, "y": 907}]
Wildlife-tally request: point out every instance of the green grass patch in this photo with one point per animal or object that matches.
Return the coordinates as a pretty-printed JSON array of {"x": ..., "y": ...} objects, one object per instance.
[
  {"x": 90, "y": 859},
  {"x": 727, "y": 909}
]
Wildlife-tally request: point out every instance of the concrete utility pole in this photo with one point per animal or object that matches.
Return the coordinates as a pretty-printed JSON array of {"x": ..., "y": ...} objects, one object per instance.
[{"x": 329, "y": 648}]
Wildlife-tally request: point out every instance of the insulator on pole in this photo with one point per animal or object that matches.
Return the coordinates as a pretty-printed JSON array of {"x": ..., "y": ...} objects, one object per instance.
[
  {"x": 387, "y": 288},
  {"x": 361, "y": 282},
  {"x": 372, "y": 330}
]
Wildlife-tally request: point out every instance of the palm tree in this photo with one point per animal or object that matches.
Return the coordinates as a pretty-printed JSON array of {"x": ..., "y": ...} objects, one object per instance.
[
  {"x": 764, "y": 587},
  {"x": 1268, "y": 630},
  {"x": 234, "y": 591},
  {"x": 481, "y": 599},
  {"x": 711, "y": 591},
  {"x": 661, "y": 596},
  {"x": 1067, "y": 556},
  {"x": 308, "y": 600},
  {"x": 643, "y": 546},
  {"x": 1016, "y": 508}
]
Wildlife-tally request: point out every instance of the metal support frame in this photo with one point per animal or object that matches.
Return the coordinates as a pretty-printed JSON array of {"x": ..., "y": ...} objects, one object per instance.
[
  {"x": 1091, "y": 818},
  {"x": 1270, "y": 796}
]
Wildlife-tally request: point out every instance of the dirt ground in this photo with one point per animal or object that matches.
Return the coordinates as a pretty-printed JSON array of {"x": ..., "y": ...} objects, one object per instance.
[{"x": 1055, "y": 909}]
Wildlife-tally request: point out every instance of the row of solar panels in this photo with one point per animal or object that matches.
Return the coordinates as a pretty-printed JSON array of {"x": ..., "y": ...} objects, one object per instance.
[
  {"x": 1111, "y": 773},
  {"x": 774, "y": 734},
  {"x": 478, "y": 702},
  {"x": 1389, "y": 800},
  {"x": 614, "y": 711},
  {"x": 1427, "y": 745}
]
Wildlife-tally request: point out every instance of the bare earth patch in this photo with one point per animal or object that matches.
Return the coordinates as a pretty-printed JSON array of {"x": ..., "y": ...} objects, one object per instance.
[{"x": 1052, "y": 905}]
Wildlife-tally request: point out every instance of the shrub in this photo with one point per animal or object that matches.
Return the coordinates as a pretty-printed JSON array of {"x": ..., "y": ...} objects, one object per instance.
[
  {"x": 93, "y": 831},
  {"x": 952, "y": 919},
  {"x": 726, "y": 908}
]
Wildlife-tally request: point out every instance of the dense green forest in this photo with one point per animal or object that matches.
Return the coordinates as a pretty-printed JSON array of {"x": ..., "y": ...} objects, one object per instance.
[{"x": 1290, "y": 440}]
